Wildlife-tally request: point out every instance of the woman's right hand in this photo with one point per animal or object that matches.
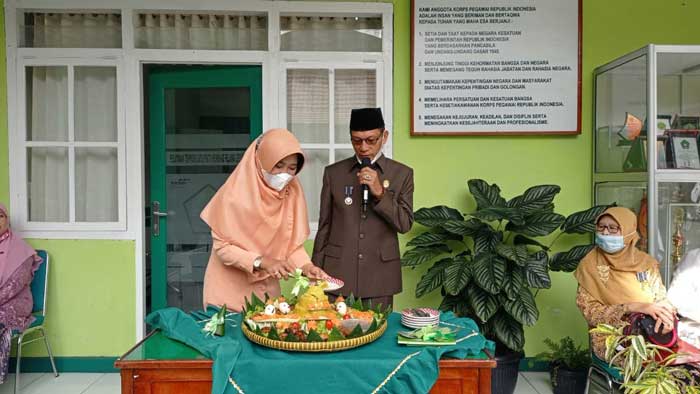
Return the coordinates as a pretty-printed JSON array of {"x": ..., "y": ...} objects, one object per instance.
[
  {"x": 662, "y": 313},
  {"x": 277, "y": 268}
]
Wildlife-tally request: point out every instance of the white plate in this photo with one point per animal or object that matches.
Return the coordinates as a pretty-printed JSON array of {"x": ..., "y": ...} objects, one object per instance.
[
  {"x": 333, "y": 284},
  {"x": 432, "y": 312}
]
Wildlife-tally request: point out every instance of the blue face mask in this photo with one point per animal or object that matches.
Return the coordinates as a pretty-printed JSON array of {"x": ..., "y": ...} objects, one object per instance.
[{"x": 610, "y": 243}]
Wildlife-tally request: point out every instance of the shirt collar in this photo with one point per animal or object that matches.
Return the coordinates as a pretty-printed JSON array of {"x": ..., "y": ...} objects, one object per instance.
[{"x": 379, "y": 162}]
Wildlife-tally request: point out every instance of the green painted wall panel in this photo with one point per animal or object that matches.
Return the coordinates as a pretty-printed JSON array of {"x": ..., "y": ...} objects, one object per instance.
[
  {"x": 100, "y": 274},
  {"x": 92, "y": 297},
  {"x": 443, "y": 164}
]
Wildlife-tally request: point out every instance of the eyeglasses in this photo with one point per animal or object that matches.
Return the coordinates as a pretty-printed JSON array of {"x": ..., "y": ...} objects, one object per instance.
[
  {"x": 612, "y": 229},
  {"x": 369, "y": 140}
]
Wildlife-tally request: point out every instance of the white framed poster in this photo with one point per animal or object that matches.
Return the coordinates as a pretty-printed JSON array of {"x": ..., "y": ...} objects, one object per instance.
[{"x": 495, "y": 67}]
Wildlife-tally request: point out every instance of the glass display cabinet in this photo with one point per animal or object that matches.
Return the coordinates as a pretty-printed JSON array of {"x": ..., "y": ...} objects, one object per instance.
[{"x": 652, "y": 94}]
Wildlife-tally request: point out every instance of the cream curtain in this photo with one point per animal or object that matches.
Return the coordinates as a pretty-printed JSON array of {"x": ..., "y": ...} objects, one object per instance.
[
  {"x": 201, "y": 31},
  {"x": 72, "y": 30},
  {"x": 95, "y": 121},
  {"x": 331, "y": 34}
]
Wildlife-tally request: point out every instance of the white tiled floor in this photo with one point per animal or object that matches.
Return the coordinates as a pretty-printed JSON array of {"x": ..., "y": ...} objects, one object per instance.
[{"x": 108, "y": 383}]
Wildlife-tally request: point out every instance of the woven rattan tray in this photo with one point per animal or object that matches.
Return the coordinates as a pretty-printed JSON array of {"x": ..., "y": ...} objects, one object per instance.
[{"x": 314, "y": 346}]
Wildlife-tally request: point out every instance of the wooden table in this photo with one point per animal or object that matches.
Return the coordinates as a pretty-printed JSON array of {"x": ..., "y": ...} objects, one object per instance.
[{"x": 159, "y": 365}]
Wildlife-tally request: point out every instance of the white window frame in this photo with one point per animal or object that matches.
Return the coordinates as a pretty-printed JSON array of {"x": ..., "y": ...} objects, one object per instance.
[
  {"x": 19, "y": 178},
  {"x": 131, "y": 88},
  {"x": 330, "y": 67}
]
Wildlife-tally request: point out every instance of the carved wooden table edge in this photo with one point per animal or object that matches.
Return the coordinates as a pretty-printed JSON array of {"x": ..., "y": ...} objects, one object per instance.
[{"x": 455, "y": 375}]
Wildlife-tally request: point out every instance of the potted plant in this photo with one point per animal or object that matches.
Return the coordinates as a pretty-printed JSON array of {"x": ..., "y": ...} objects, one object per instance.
[
  {"x": 486, "y": 262},
  {"x": 568, "y": 365},
  {"x": 647, "y": 368}
]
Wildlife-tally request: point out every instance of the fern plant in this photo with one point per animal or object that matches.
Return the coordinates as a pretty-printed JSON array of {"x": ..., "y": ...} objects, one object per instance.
[
  {"x": 565, "y": 353},
  {"x": 486, "y": 262},
  {"x": 647, "y": 368}
]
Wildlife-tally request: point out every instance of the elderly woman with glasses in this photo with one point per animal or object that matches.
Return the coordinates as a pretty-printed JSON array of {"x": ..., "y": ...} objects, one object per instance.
[{"x": 617, "y": 279}]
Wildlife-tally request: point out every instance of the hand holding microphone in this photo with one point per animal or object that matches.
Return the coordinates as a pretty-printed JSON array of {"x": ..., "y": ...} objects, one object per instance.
[{"x": 369, "y": 179}]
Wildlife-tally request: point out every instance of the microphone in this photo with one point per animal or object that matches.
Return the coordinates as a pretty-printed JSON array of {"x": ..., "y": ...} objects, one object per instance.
[{"x": 366, "y": 162}]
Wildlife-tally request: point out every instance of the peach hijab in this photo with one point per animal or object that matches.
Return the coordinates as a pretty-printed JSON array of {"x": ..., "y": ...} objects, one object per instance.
[
  {"x": 248, "y": 213},
  {"x": 612, "y": 278}
]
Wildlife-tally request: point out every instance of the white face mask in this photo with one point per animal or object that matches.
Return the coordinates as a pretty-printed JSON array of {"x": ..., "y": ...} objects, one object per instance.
[{"x": 277, "y": 181}]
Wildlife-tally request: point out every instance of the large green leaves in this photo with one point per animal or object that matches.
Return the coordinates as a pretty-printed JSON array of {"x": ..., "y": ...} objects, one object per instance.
[
  {"x": 433, "y": 278},
  {"x": 488, "y": 272},
  {"x": 457, "y": 274},
  {"x": 523, "y": 308},
  {"x": 537, "y": 224},
  {"x": 463, "y": 227},
  {"x": 513, "y": 282},
  {"x": 420, "y": 255},
  {"x": 501, "y": 213},
  {"x": 537, "y": 271},
  {"x": 522, "y": 240},
  {"x": 509, "y": 331},
  {"x": 535, "y": 198},
  {"x": 583, "y": 222},
  {"x": 435, "y": 216},
  {"x": 484, "y": 304},
  {"x": 486, "y": 239},
  {"x": 430, "y": 239},
  {"x": 515, "y": 253},
  {"x": 486, "y": 195},
  {"x": 568, "y": 261}
]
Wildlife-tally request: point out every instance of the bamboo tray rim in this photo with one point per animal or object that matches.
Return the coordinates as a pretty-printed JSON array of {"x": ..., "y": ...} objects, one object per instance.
[{"x": 334, "y": 346}]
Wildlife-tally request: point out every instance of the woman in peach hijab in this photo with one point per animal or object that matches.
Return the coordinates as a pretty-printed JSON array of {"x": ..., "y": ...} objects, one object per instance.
[{"x": 259, "y": 223}]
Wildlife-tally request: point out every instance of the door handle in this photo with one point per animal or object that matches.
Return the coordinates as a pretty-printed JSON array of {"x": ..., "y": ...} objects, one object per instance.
[{"x": 156, "y": 215}]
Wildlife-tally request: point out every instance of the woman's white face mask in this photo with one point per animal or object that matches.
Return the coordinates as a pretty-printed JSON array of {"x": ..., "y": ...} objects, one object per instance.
[{"x": 277, "y": 181}]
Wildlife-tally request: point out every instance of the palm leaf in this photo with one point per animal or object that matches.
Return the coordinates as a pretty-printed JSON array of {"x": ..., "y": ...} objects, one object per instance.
[
  {"x": 568, "y": 261},
  {"x": 457, "y": 274},
  {"x": 435, "y": 216},
  {"x": 535, "y": 198},
  {"x": 420, "y": 255},
  {"x": 523, "y": 308},
  {"x": 488, "y": 271},
  {"x": 483, "y": 303},
  {"x": 583, "y": 222},
  {"x": 433, "y": 278},
  {"x": 515, "y": 253},
  {"x": 509, "y": 331},
  {"x": 537, "y": 271},
  {"x": 486, "y": 195}
]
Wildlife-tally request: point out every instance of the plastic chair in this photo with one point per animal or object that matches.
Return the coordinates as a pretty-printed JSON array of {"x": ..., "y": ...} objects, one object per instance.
[
  {"x": 610, "y": 375},
  {"x": 39, "y": 288}
]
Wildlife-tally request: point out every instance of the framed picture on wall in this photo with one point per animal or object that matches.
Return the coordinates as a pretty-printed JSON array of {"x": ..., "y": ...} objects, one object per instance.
[
  {"x": 682, "y": 146},
  {"x": 663, "y": 123}
]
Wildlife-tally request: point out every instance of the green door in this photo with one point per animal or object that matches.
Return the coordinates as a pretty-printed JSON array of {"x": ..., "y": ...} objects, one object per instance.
[{"x": 201, "y": 120}]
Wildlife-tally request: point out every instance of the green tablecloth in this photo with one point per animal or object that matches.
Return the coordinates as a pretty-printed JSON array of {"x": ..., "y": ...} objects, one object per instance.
[{"x": 382, "y": 366}]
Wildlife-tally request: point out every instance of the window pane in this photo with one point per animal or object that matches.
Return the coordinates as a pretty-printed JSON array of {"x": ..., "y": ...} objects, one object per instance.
[
  {"x": 96, "y": 185},
  {"x": 347, "y": 34},
  {"x": 311, "y": 177},
  {"x": 199, "y": 31},
  {"x": 47, "y": 170},
  {"x": 353, "y": 89},
  {"x": 96, "y": 104},
  {"x": 307, "y": 105},
  {"x": 71, "y": 30},
  {"x": 47, "y": 103},
  {"x": 342, "y": 154}
]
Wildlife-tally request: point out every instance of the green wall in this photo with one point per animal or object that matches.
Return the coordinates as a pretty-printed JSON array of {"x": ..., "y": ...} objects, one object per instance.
[
  {"x": 92, "y": 298},
  {"x": 443, "y": 164}
]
